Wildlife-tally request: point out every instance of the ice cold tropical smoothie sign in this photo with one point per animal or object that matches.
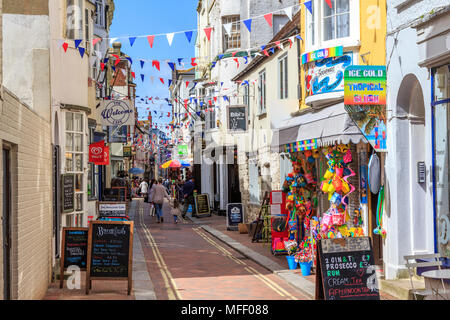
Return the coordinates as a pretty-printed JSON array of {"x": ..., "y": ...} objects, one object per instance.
[
  {"x": 116, "y": 113},
  {"x": 365, "y": 102},
  {"x": 346, "y": 270}
]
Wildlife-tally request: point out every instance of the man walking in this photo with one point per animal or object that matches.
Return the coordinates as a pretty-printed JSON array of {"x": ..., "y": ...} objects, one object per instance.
[
  {"x": 143, "y": 187},
  {"x": 188, "y": 193},
  {"x": 159, "y": 193}
]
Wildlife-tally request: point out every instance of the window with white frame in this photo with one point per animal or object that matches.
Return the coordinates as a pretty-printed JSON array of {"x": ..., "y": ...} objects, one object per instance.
[
  {"x": 74, "y": 155},
  {"x": 233, "y": 39},
  {"x": 331, "y": 26},
  {"x": 74, "y": 19},
  {"x": 262, "y": 91},
  {"x": 100, "y": 13},
  {"x": 246, "y": 98},
  {"x": 283, "y": 76}
]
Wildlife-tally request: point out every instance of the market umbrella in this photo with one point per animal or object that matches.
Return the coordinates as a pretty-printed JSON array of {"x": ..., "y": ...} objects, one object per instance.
[
  {"x": 136, "y": 170},
  {"x": 185, "y": 163},
  {"x": 171, "y": 164}
]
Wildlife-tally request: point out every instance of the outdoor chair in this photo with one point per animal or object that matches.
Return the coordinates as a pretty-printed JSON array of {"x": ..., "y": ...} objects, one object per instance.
[{"x": 412, "y": 264}]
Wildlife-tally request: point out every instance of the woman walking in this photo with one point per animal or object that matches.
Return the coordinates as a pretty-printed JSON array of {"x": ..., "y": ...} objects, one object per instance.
[{"x": 159, "y": 193}]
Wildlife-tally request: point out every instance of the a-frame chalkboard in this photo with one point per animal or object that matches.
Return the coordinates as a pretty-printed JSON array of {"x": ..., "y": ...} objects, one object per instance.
[
  {"x": 346, "y": 270},
  {"x": 74, "y": 245}
]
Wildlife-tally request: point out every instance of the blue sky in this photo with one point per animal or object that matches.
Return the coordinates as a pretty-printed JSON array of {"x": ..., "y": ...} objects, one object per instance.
[{"x": 152, "y": 17}]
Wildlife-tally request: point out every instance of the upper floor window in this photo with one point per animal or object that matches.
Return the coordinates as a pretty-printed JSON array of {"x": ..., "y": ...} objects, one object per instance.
[
  {"x": 232, "y": 33},
  {"x": 283, "y": 76},
  {"x": 262, "y": 92},
  {"x": 336, "y": 20},
  {"x": 100, "y": 13},
  {"x": 74, "y": 19}
]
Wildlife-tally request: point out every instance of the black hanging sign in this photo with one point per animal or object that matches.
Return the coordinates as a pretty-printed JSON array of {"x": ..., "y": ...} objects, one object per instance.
[
  {"x": 110, "y": 252},
  {"x": 68, "y": 192},
  {"x": 237, "y": 118},
  {"x": 346, "y": 270}
]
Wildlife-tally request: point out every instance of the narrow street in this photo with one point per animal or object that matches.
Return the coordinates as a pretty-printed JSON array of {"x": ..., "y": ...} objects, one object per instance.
[{"x": 186, "y": 263}]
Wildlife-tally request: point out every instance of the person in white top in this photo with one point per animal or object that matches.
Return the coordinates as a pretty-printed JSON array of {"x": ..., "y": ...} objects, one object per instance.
[{"x": 144, "y": 188}]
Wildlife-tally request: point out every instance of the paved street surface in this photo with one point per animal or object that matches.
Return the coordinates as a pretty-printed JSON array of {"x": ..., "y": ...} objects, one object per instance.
[{"x": 186, "y": 262}]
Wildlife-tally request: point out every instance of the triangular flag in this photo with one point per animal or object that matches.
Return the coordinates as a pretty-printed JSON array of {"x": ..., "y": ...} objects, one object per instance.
[
  {"x": 133, "y": 75},
  {"x": 169, "y": 82},
  {"x": 220, "y": 56},
  {"x": 248, "y": 24},
  {"x": 77, "y": 43},
  {"x": 155, "y": 63},
  {"x": 170, "y": 38},
  {"x": 308, "y": 5},
  {"x": 162, "y": 80},
  {"x": 208, "y": 32},
  {"x": 65, "y": 46},
  {"x": 95, "y": 41},
  {"x": 187, "y": 84},
  {"x": 102, "y": 65},
  {"x": 193, "y": 62},
  {"x": 111, "y": 41},
  {"x": 150, "y": 40},
  {"x": 142, "y": 77},
  {"x": 228, "y": 27},
  {"x": 288, "y": 12},
  {"x": 179, "y": 61},
  {"x": 171, "y": 65},
  {"x": 132, "y": 40},
  {"x": 269, "y": 18},
  {"x": 81, "y": 50},
  {"x": 329, "y": 3},
  {"x": 188, "y": 35},
  {"x": 142, "y": 63},
  {"x": 129, "y": 59},
  {"x": 237, "y": 61}
]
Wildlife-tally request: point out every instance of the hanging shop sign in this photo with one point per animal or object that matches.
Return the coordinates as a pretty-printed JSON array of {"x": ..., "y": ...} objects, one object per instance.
[
  {"x": 182, "y": 150},
  {"x": 73, "y": 249},
  {"x": 97, "y": 152},
  {"x": 301, "y": 145},
  {"x": 68, "y": 194},
  {"x": 327, "y": 75},
  {"x": 346, "y": 270},
  {"x": 118, "y": 134},
  {"x": 127, "y": 152},
  {"x": 322, "y": 54},
  {"x": 202, "y": 208},
  {"x": 365, "y": 102},
  {"x": 237, "y": 118},
  {"x": 110, "y": 252},
  {"x": 116, "y": 113},
  {"x": 112, "y": 209},
  {"x": 235, "y": 215}
]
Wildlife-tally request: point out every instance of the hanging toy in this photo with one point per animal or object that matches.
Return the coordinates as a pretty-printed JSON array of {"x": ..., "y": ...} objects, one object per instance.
[{"x": 379, "y": 230}]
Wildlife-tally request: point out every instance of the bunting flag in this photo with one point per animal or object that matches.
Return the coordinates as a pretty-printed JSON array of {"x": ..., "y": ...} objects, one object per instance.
[
  {"x": 171, "y": 65},
  {"x": 65, "y": 46},
  {"x": 193, "y": 62},
  {"x": 187, "y": 84},
  {"x": 102, "y": 66},
  {"x": 179, "y": 61},
  {"x": 329, "y": 3},
  {"x": 228, "y": 27},
  {"x": 77, "y": 43},
  {"x": 142, "y": 77},
  {"x": 308, "y": 5},
  {"x": 188, "y": 35},
  {"x": 133, "y": 75},
  {"x": 169, "y": 82},
  {"x": 95, "y": 41},
  {"x": 155, "y": 63},
  {"x": 170, "y": 38},
  {"x": 269, "y": 18},
  {"x": 288, "y": 12},
  {"x": 132, "y": 40},
  {"x": 81, "y": 50},
  {"x": 142, "y": 63},
  {"x": 162, "y": 80},
  {"x": 208, "y": 32},
  {"x": 237, "y": 62},
  {"x": 129, "y": 59},
  {"x": 248, "y": 24},
  {"x": 112, "y": 40},
  {"x": 150, "y": 40}
]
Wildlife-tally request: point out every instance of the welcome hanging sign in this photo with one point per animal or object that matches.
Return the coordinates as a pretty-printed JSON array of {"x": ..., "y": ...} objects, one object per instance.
[
  {"x": 116, "y": 113},
  {"x": 365, "y": 102}
]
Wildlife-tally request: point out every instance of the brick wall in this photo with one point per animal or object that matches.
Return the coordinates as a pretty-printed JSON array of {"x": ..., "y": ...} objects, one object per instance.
[{"x": 31, "y": 216}]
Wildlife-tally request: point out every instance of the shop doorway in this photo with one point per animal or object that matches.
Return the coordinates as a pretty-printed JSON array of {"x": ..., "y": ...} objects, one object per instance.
[
  {"x": 234, "y": 192},
  {"x": 6, "y": 225},
  {"x": 377, "y": 240},
  {"x": 56, "y": 199}
]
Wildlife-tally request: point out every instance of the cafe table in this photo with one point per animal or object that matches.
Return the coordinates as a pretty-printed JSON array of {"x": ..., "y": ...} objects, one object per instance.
[{"x": 437, "y": 281}]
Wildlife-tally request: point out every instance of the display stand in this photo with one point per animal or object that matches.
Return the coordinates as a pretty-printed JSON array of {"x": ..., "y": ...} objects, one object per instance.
[{"x": 260, "y": 222}]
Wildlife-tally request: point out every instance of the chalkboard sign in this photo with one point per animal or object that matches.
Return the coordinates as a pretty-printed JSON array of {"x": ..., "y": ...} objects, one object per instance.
[
  {"x": 122, "y": 193},
  {"x": 112, "y": 194},
  {"x": 68, "y": 193},
  {"x": 235, "y": 215},
  {"x": 346, "y": 270},
  {"x": 237, "y": 118},
  {"x": 74, "y": 244},
  {"x": 110, "y": 251},
  {"x": 112, "y": 209},
  {"x": 202, "y": 208}
]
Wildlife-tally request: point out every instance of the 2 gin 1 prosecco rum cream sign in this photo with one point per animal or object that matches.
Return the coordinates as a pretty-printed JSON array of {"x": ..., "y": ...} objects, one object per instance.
[{"x": 116, "y": 113}]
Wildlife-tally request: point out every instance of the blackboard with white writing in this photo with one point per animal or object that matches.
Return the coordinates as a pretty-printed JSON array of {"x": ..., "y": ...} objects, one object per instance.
[
  {"x": 235, "y": 215},
  {"x": 74, "y": 249},
  {"x": 237, "y": 118},
  {"x": 110, "y": 254},
  {"x": 68, "y": 194},
  {"x": 112, "y": 194},
  {"x": 346, "y": 270},
  {"x": 202, "y": 205}
]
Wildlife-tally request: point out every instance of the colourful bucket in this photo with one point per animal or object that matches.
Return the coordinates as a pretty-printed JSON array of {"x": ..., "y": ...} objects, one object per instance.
[
  {"x": 291, "y": 262},
  {"x": 306, "y": 268}
]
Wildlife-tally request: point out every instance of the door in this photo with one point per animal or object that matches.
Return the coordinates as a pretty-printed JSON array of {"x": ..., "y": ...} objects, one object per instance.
[
  {"x": 56, "y": 200},
  {"x": 6, "y": 214}
]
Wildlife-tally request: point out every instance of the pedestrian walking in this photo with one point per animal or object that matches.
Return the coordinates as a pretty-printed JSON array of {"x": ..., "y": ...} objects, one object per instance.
[
  {"x": 150, "y": 197},
  {"x": 143, "y": 187},
  {"x": 159, "y": 193},
  {"x": 176, "y": 212},
  {"x": 188, "y": 194}
]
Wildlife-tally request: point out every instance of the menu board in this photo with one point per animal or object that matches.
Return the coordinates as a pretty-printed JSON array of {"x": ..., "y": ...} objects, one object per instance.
[
  {"x": 237, "y": 118},
  {"x": 112, "y": 209},
  {"x": 110, "y": 250},
  {"x": 112, "y": 194},
  {"x": 202, "y": 205},
  {"x": 346, "y": 270},
  {"x": 122, "y": 193},
  {"x": 68, "y": 193},
  {"x": 235, "y": 215},
  {"x": 74, "y": 249}
]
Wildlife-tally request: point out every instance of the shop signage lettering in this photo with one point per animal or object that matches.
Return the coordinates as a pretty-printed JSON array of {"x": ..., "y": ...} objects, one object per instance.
[
  {"x": 345, "y": 270},
  {"x": 73, "y": 249},
  {"x": 237, "y": 118},
  {"x": 322, "y": 54},
  {"x": 68, "y": 194},
  {"x": 327, "y": 75},
  {"x": 116, "y": 113},
  {"x": 202, "y": 205},
  {"x": 112, "y": 209},
  {"x": 235, "y": 215}
]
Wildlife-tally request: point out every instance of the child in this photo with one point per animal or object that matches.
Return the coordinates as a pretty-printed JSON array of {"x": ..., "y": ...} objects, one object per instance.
[{"x": 175, "y": 210}]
